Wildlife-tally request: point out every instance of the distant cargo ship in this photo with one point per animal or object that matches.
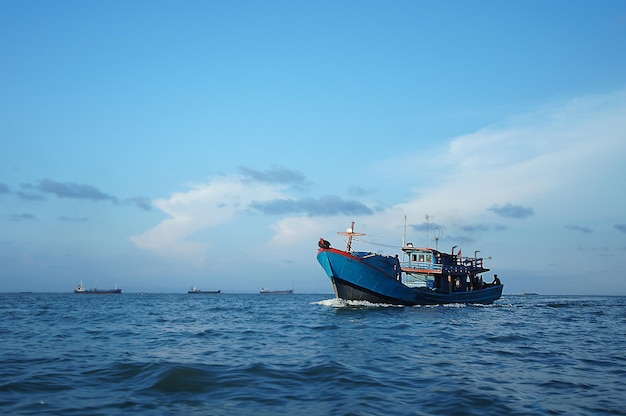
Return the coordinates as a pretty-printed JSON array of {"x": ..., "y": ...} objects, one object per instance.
[
  {"x": 81, "y": 289},
  {"x": 265, "y": 291},
  {"x": 198, "y": 291}
]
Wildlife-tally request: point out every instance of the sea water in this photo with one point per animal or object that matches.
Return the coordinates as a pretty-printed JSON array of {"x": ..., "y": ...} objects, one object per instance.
[{"x": 242, "y": 354}]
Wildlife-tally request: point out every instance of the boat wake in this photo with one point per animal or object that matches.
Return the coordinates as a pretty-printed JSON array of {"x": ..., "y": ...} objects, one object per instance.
[
  {"x": 355, "y": 304},
  {"x": 343, "y": 303}
]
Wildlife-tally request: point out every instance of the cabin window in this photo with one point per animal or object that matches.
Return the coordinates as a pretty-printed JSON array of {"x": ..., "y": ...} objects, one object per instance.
[
  {"x": 414, "y": 257},
  {"x": 429, "y": 258},
  {"x": 421, "y": 258}
]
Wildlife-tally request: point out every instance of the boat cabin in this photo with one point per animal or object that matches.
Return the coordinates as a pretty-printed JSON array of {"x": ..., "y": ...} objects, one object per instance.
[
  {"x": 443, "y": 272},
  {"x": 422, "y": 266},
  {"x": 421, "y": 259}
]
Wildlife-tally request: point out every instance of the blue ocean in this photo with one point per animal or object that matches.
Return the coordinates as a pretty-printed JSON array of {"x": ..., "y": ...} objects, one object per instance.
[{"x": 243, "y": 354}]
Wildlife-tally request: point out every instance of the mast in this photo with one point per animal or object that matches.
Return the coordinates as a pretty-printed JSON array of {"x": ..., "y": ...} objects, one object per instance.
[
  {"x": 404, "y": 235},
  {"x": 438, "y": 234},
  {"x": 427, "y": 230},
  {"x": 350, "y": 233}
]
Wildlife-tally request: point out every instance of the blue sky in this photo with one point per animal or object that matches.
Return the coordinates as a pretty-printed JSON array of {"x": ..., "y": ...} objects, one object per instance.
[{"x": 158, "y": 144}]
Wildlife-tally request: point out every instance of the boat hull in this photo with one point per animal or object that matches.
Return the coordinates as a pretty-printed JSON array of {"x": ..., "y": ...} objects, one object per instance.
[
  {"x": 276, "y": 292},
  {"x": 204, "y": 292},
  {"x": 98, "y": 292},
  {"x": 376, "y": 279}
]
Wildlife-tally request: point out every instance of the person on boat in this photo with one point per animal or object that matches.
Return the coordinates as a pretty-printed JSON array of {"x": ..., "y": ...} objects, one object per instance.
[
  {"x": 323, "y": 243},
  {"x": 398, "y": 269},
  {"x": 496, "y": 280}
]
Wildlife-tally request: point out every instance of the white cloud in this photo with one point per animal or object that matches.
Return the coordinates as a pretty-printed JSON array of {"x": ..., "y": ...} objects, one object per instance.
[
  {"x": 295, "y": 229},
  {"x": 527, "y": 159},
  {"x": 203, "y": 206}
]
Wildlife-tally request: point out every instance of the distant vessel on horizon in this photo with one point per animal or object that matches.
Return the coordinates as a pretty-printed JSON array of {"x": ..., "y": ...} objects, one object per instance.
[
  {"x": 529, "y": 294},
  {"x": 195, "y": 290},
  {"x": 265, "y": 291},
  {"x": 81, "y": 289}
]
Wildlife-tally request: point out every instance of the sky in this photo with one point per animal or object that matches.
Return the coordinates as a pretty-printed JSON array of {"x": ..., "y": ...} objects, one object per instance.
[{"x": 156, "y": 145}]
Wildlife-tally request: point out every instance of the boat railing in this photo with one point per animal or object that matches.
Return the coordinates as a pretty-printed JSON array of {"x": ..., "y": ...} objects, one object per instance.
[
  {"x": 458, "y": 269},
  {"x": 466, "y": 269},
  {"x": 421, "y": 265},
  {"x": 471, "y": 261}
]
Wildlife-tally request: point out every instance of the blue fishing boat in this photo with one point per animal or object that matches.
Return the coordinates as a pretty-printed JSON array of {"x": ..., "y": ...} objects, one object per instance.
[{"x": 426, "y": 276}]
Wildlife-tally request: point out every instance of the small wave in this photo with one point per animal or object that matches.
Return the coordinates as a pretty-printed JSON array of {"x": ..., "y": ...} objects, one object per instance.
[
  {"x": 183, "y": 378},
  {"x": 453, "y": 305}
]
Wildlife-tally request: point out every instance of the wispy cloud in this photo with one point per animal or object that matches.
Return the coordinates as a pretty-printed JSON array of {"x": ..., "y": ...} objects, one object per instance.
[
  {"x": 475, "y": 228},
  {"x": 21, "y": 217},
  {"x": 72, "y": 219},
  {"x": 30, "y": 196},
  {"x": 579, "y": 228},
  {"x": 140, "y": 202},
  {"x": 358, "y": 191},
  {"x": 423, "y": 226},
  {"x": 512, "y": 211},
  {"x": 71, "y": 190},
  {"x": 74, "y": 190},
  {"x": 620, "y": 227},
  {"x": 315, "y": 207},
  {"x": 275, "y": 175}
]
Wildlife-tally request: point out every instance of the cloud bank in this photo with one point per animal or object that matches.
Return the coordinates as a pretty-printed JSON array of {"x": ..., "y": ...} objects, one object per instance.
[{"x": 529, "y": 167}]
